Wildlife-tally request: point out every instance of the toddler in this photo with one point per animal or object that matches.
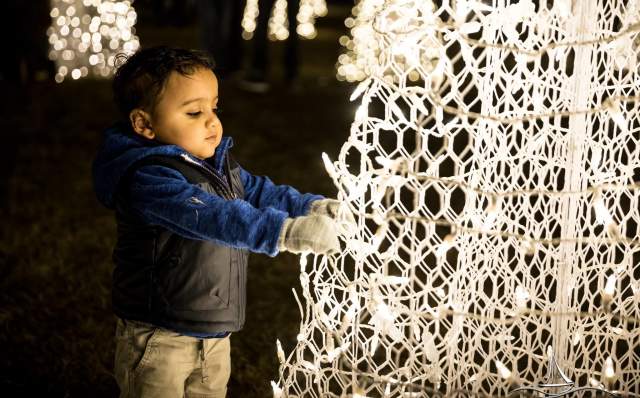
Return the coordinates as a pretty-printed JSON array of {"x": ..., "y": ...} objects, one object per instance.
[{"x": 187, "y": 216}]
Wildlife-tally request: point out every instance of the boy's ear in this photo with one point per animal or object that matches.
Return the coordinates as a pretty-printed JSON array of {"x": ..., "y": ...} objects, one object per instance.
[{"x": 141, "y": 123}]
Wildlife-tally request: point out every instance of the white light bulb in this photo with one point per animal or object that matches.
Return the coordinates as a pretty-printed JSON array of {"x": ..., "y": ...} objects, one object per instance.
[
  {"x": 445, "y": 246},
  {"x": 493, "y": 209},
  {"x": 609, "y": 372},
  {"x": 328, "y": 165},
  {"x": 610, "y": 287},
  {"x": 277, "y": 391},
  {"x": 603, "y": 216},
  {"x": 360, "y": 89},
  {"x": 280, "y": 352},
  {"x": 308, "y": 365},
  {"x": 616, "y": 114},
  {"x": 378, "y": 237},
  {"x": 358, "y": 393},
  {"x": 470, "y": 27},
  {"x": 577, "y": 338},
  {"x": 503, "y": 371},
  {"x": 609, "y": 290},
  {"x": 394, "y": 280},
  {"x": 303, "y": 262},
  {"x": 522, "y": 297},
  {"x": 617, "y": 330}
]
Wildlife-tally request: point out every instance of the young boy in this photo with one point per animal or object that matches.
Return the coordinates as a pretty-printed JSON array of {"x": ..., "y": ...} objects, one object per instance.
[{"x": 187, "y": 216}]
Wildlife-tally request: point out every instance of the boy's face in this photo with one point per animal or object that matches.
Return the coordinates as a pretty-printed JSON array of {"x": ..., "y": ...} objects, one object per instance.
[{"x": 186, "y": 116}]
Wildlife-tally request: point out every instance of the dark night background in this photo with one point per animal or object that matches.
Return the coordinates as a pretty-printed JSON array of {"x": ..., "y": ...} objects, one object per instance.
[{"x": 56, "y": 337}]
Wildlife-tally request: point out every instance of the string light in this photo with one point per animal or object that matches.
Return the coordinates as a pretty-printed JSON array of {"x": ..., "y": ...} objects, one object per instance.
[
  {"x": 503, "y": 371},
  {"x": 278, "y": 24},
  {"x": 609, "y": 291},
  {"x": 446, "y": 245},
  {"x": 522, "y": 297},
  {"x": 280, "y": 352},
  {"x": 85, "y": 36},
  {"x": 277, "y": 390},
  {"x": 609, "y": 372},
  {"x": 362, "y": 50},
  {"x": 603, "y": 216},
  {"x": 358, "y": 393}
]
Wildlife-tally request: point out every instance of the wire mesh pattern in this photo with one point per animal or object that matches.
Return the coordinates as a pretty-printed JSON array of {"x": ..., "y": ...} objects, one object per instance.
[{"x": 492, "y": 168}]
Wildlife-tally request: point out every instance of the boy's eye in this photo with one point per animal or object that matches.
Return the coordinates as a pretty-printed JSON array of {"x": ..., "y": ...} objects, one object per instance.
[
  {"x": 217, "y": 110},
  {"x": 194, "y": 114}
]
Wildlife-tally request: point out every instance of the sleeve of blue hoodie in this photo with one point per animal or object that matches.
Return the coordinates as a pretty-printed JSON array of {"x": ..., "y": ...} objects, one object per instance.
[
  {"x": 261, "y": 192},
  {"x": 164, "y": 197}
]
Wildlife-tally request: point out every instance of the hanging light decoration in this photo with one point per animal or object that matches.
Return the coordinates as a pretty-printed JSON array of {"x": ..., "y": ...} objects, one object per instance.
[
  {"x": 492, "y": 170},
  {"x": 278, "y": 22},
  {"x": 86, "y": 35}
]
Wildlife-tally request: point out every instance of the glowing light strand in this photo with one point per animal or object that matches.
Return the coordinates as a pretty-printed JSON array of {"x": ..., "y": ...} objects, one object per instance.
[{"x": 278, "y": 25}]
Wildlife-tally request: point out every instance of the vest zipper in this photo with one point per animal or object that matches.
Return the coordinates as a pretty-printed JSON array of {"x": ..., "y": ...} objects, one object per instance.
[
  {"x": 230, "y": 194},
  {"x": 238, "y": 256},
  {"x": 227, "y": 192}
]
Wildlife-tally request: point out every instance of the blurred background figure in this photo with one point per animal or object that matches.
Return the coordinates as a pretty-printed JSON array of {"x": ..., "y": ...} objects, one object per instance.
[
  {"x": 25, "y": 46},
  {"x": 173, "y": 12},
  {"x": 256, "y": 77},
  {"x": 221, "y": 33}
]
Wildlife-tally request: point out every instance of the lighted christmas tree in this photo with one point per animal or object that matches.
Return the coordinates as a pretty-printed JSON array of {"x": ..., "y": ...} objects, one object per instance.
[
  {"x": 492, "y": 168},
  {"x": 86, "y": 35}
]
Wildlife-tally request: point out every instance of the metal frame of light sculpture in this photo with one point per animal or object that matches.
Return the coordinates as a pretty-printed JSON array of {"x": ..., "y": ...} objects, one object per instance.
[{"x": 491, "y": 167}]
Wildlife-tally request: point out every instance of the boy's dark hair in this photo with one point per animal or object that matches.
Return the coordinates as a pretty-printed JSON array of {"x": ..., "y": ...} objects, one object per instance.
[{"x": 141, "y": 77}]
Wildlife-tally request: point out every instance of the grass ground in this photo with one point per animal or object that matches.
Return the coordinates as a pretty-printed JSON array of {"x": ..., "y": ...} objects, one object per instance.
[{"x": 56, "y": 325}]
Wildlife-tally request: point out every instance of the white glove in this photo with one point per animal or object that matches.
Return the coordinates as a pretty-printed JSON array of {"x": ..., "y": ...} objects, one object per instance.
[
  {"x": 313, "y": 233},
  {"x": 341, "y": 214}
]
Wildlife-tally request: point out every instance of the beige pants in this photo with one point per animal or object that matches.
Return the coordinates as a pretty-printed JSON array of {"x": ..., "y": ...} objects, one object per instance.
[{"x": 155, "y": 362}]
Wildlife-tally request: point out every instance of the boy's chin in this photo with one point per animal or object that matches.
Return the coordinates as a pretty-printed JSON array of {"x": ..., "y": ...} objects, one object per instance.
[{"x": 208, "y": 154}]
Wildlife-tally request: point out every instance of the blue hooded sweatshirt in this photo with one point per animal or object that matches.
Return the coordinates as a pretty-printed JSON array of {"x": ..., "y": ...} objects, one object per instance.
[{"x": 162, "y": 196}]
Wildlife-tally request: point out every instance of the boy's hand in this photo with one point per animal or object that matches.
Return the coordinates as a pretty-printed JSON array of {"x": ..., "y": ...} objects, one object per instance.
[
  {"x": 313, "y": 233},
  {"x": 341, "y": 214}
]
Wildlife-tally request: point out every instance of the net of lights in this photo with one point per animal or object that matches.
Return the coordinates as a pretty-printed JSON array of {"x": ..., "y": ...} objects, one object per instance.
[
  {"x": 362, "y": 50},
  {"x": 86, "y": 35},
  {"x": 362, "y": 47},
  {"x": 491, "y": 169},
  {"x": 278, "y": 22}
]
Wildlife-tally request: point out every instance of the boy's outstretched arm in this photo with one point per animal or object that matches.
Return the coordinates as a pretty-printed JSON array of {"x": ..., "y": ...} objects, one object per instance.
[
  {"x": 162, "y": 196},
  {"x": 261, "y": 192}
]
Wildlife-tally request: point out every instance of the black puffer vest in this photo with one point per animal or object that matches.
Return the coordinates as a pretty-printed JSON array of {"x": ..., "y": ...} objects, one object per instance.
[{"x": 182, "y": 284}]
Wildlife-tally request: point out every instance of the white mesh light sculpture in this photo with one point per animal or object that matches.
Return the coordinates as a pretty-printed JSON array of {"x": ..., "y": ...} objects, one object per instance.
[
  {"x": 491, "y": 167},
  {"x": 86, "y": 35}
]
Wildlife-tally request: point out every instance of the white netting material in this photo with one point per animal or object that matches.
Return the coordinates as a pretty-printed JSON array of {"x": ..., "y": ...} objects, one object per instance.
[{"x": 492, "y": 169}]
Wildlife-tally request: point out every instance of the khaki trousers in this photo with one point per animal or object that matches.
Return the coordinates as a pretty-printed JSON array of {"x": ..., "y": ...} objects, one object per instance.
[{"x": 155, "y": 362}]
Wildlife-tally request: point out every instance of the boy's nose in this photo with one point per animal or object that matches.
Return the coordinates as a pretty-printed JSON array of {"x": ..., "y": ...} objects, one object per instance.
[{"x": 211, "y": 120}]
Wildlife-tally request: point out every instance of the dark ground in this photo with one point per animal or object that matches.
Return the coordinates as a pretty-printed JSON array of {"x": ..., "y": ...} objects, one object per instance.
[{"x": 56, "y": 337}]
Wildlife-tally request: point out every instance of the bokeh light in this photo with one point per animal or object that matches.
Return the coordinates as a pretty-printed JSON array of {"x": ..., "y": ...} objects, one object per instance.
[
  {"x": 278, "y": 22},
  {"x": 85, "y": 36}
]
